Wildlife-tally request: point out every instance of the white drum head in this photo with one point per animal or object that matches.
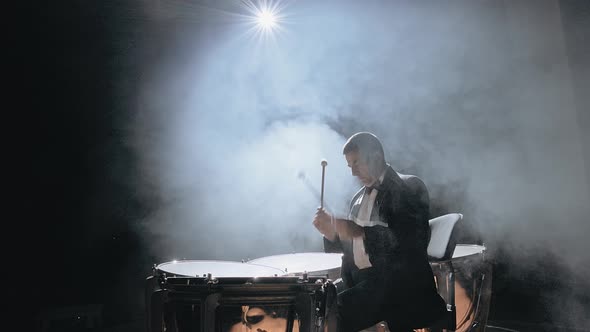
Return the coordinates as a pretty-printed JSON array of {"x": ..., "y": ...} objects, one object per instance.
[
  {"x": 217, "y": 269},
  {"x": 302, "y": 262},
  {"x": 462, "y": 250}
]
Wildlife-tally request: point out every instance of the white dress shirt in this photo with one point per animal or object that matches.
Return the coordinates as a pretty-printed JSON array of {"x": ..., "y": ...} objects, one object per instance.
[{"x": 363, "y": 219}]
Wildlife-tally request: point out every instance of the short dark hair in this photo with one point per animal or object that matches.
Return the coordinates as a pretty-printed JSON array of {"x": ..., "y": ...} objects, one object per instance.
[{"x": 363, "y": 142}]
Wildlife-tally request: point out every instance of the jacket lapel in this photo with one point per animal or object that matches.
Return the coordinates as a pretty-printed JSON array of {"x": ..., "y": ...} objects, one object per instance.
[{"x": 388, "y": 190}]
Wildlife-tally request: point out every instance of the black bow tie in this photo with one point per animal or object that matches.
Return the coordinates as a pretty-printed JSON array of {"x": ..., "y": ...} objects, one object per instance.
[{"x": 368, "y": 190}]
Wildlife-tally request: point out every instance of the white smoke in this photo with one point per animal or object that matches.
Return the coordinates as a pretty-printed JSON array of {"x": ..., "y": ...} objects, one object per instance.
[{"x": 458, "y": 93}]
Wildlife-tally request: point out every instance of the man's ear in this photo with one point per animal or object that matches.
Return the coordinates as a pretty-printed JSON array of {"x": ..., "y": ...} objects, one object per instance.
[{"x": 376, "y": 158}]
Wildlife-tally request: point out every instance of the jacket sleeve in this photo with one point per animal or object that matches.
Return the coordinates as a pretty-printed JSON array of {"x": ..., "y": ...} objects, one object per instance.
[
  {"x": 336, "y": 245},
  {"x": 332, "y": 246},
  {"x": 406, "y": 214}
]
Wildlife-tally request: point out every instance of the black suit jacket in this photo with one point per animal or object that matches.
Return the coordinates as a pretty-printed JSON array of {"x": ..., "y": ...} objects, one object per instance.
[{"x": 398, "y": 250}]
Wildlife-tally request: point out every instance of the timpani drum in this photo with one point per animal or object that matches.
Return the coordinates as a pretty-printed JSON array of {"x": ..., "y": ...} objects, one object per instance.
[
  {"x": 465, "y": 281},
  {"x": 216, "y": 269},
  {"x": 312, "y": 263},
  {"x": 222, "y": 296},
  {"x": 473, "y": 287}
]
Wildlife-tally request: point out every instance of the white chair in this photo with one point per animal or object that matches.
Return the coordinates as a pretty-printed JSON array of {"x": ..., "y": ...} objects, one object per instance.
[
  {"x": 442, "y": 243},
  {"x": 440, "y": 253}
]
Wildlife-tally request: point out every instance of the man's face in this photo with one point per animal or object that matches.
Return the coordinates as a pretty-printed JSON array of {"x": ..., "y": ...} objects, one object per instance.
[{"x": 360, "y": 168}]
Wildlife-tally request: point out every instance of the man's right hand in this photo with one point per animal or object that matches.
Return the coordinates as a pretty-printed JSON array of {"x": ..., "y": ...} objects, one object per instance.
[{"x": 323, "y": 222}]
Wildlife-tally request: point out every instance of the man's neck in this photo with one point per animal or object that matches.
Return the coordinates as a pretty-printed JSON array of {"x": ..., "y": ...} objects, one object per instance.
[{"x": 379, "y": 180}]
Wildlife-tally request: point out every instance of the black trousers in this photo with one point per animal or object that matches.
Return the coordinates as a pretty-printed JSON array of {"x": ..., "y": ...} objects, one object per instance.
[{"x": 367, "y": 303}]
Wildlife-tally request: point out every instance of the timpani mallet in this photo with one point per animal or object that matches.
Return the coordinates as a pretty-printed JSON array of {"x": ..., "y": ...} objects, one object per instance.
[{"x": 324, "y": 164}]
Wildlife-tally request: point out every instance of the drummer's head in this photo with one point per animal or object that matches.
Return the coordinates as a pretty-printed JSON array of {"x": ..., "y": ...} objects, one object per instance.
[{"x": 364, "y": 154}]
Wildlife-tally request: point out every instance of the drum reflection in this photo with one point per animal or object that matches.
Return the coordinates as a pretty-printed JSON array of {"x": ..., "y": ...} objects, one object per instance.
[{"x": 265, "y": 319}]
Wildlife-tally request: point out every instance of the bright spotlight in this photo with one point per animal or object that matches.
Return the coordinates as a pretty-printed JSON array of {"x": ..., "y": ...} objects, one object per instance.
[
  {"x": 265, "y": 16},
  {"x": 266, "y": 19}
]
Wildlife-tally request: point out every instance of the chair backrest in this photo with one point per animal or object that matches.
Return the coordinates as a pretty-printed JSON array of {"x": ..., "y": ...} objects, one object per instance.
[{"x": 442, "y": 243}]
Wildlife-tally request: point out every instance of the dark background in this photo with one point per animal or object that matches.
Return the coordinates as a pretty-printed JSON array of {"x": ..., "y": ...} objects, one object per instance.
[{"x": 81, "y": 201}]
